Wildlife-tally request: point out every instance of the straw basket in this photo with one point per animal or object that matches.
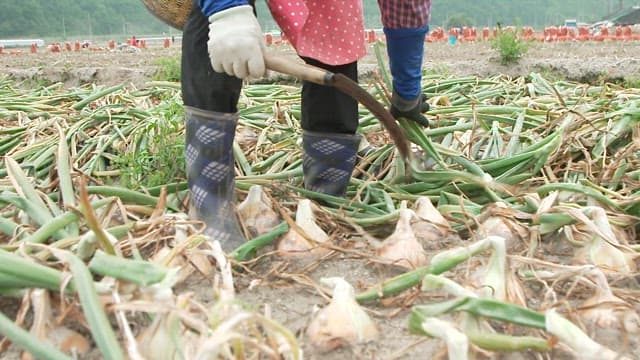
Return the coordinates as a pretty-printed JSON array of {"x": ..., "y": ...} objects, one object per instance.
[{"x": 172, "y": 12}]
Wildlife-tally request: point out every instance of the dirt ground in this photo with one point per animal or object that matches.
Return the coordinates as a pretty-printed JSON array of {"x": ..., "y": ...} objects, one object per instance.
[
  {"x": 287, "y": 289},
  {"x": 580, "y": 61}
]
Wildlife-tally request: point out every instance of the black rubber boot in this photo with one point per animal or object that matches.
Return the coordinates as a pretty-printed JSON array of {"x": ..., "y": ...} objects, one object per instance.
[
  {"x": 328, "y": 161},
  {"x": 210, "y": 174}
]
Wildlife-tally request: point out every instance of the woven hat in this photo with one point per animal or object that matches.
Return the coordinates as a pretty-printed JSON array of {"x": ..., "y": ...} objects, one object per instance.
[{"x": 172, "y": 12}]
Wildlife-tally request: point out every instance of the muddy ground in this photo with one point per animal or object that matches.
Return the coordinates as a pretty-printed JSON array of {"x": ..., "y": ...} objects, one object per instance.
[
  {"x": 289, "y": 290},
  {"x": 581, "y": 61}
]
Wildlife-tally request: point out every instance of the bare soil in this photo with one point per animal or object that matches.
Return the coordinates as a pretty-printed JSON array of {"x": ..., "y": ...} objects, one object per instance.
[{"x": 580, "y": 61}]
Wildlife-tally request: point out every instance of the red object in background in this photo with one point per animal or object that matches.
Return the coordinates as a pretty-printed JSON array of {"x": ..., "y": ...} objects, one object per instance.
[
  {"x": 371, "y": 36},
  {"x": 143, "y": 44},
  {"x": 618, "y": 31},
  {"x": 486, "y": 33},
  {"x": 551, "y": 33},
  {"x": 112, "y": 44},
  {"x": 167, "y": 43},
  {"x": 528, "y": 33},
  {"x": 55, "y": 48},
  {"x": 1, "y": 49},
  {"x": 435, "y": 35},
  {"x": 76, "y": 46},
  {"x": 469, "y": 34},
  {"x": 583, "y": 33},
  {"x": 564, "y": 31},
  {"x": 604, "y": 34},
  {"x": 34, "y": 48},
  {"x": 268, "y": 38},
  {"x": 67, "y": 46}
]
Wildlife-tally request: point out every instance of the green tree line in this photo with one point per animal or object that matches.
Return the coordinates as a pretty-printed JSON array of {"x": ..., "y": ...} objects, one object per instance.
[{"x": 71, "y": 18}]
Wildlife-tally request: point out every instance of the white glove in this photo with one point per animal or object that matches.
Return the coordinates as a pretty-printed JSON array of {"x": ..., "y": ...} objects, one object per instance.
[{"x": 236, "y": 43}]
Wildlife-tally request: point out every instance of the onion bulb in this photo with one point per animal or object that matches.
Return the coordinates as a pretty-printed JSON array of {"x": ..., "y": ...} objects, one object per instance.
[
  {"x": 342, "y": 322},
  {"x": 429, "y": 225},
  {"x": 602, "y": 247},
  {"x": 296, "y": 244},
  {"x": 62, "y": 338},
  {"x": 582, "y": 345},
  {"x": 402, "y": 247},
  {"x": 498, "y": 220},
  {"x": 457, "y": 341},
  {"x": 256, "y": 212},
  {"x": 604, "y": 310}
]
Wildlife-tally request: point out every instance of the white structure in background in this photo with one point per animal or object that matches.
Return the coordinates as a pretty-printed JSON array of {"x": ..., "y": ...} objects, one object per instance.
[{"x": 14, "y": 43}]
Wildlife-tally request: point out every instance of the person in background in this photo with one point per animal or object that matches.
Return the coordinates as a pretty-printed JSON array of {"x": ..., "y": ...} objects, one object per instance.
[{"x": 223, "y": 44}]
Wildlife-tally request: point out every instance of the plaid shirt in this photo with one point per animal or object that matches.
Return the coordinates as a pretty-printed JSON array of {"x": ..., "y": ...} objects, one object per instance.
[{"x": 405, "y": 14}]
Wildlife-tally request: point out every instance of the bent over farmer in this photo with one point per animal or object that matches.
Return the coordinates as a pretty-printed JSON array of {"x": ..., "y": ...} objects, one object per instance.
[{"x": 224, "y": 44}]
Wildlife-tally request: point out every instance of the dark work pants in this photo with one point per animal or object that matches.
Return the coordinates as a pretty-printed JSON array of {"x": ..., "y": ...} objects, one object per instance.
[{"x": 324, "y": 109}]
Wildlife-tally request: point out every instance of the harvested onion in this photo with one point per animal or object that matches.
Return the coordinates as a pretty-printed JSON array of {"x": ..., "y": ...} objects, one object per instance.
[
  {"x": 498, "y": 220},
  {"x": 296, "y": 244},
  {"x": 256, "y": 212},
  {"x": 343, "y": 321},
  {"x": 582, "y": 345},
  {"x": 62, "y": 338},
  {"x": 602, "y": 248},
  {"x": 604, "y": 310},
  {"x": 402, "y": 247},
  {"x": 429, "y": 225}
]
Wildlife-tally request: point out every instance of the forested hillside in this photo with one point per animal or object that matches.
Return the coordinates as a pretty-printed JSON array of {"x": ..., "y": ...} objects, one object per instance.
[{"x": 57, "y": 18}]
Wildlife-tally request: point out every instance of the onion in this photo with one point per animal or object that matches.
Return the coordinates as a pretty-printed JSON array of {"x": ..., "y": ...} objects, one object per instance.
[
  {"x": 246, "y": 137},
  {"x": 457, "y": 341},
  {"x": 582, "y": 345},
  {"x": 342, "y": 322},
  {"x": 604, "y": 310},
  {"x": 402, "y": 247},
  {"x": 303, "y": 245},
  {"x": 62, "y": 338},
  {"x": 156, "y": 342},
  {"x": 602, "y": 247},
  {"x": 494, "y": 285},
  {"x": 256, "y": 212},
  {"x": 497, "y": 220},
  {"x": 429, "y": 225}
]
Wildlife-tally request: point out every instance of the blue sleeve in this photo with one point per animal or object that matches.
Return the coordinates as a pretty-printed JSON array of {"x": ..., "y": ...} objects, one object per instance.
[
  {"x": 210, "y": 7},
  {"x": 405, "y": 48}
]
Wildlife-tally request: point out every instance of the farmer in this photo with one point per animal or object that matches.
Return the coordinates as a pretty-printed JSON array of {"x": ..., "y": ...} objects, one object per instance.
[{"x": 224, "y": 44}]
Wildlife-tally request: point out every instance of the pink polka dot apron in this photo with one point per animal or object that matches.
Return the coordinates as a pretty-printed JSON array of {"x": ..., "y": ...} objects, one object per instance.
[{"x": 331, "y": 31}]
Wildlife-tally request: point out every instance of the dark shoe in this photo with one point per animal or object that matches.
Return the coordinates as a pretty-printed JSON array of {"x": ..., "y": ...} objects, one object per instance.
[
  {"x": 211, "y": 175},
  {"x": 328, "y": 161}
]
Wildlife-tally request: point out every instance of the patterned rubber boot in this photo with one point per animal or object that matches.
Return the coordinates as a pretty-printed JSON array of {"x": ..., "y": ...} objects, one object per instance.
[
  {"x": 328, "y": 161},
  {"x": 211, "y": 175}
]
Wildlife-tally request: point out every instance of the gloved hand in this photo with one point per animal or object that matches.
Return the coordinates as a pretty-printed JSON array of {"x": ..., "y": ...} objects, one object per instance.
[
  {"x": 236, "y": 43},
  {"x": 412, "y": 110}
]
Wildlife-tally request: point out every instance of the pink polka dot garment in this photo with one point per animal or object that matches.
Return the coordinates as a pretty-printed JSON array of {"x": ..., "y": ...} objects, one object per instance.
[{"x": 331, "y": 31}]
